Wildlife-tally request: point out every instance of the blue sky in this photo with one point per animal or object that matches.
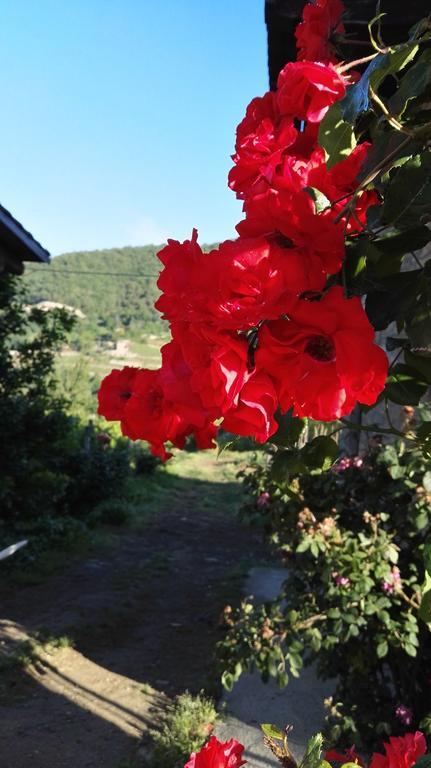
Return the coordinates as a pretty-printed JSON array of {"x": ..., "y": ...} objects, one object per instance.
[{"x": 119, "y": 116}]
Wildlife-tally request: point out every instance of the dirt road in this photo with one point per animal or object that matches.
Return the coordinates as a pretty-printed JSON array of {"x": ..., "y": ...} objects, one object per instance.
[{"x": 144, "y": 619}]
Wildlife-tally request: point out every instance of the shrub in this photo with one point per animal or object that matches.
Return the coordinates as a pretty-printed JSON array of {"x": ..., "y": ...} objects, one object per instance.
[
  {"x": 353, "y": 542},
  {"x": 145, "y": 462},
  {"x": 52, "y": 469},
  {"x": 186, "y": 726},
  {"x": 112, "y": 512}
]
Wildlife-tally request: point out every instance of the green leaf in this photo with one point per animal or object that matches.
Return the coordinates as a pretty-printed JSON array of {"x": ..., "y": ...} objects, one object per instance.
[
  {"x": 418, "y": 317},
  {"x": 282, "y": 678},
  {"x": 405, "y": 385},
  {"x": 424, "y": 439},
  {"x": 320, "y": 453},
  {"x": 382, "y": 649},
  {"x": 408, "y": 195},
  {"x": 286, "y": 463},
  {"x": 227, "y": 680},
  {"x": 272, "y": 732},
  {"x": 357, "y": 99},
  {"x": 336, "y": 136},
  {"x": 420, "y": 363},
  {"x": 385, "y": 254},
  {"x": 425, "y": 726},
  {"x": 425, "y": 607},
  {"x": 410, "y": 650},
  {"x": 321, "y": 202},
  {"x": 400, "y": 243},
  {"x": 289, "y": 430},
  {"x": 385, "y": 141},
  {"x": 423, "y": 762},
  {"x": 357, "y": 254},
  {"x": 392, "y": 298},
  {"x": 413, "y": 84},
  {"x": 313, "y": 752}
]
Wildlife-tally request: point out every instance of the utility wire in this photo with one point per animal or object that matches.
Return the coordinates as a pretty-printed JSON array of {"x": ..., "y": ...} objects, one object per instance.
[{"x": 84, "y": 272}]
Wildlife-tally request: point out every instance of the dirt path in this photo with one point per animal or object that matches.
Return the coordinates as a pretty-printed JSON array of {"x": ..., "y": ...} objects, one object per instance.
[{"x": 144, "y": 619}]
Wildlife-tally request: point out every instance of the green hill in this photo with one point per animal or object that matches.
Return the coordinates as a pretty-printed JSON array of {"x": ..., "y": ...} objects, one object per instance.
[{"x": 114, "y": 288}]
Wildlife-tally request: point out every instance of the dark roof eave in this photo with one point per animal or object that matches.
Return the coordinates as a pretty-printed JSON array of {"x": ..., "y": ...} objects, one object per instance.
[{"x": 20, "y": 243}]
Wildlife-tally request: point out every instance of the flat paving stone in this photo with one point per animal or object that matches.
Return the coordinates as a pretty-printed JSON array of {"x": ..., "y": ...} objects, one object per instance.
[{"x": 252, "y": 702}]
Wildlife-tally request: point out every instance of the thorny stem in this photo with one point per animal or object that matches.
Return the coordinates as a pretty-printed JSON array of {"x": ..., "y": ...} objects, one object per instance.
[
  {"x": 356, "y": 62},
  {"x": 408, "y": 599},
  {"x": 373, "y": 175},
  {"x": 392, "y": 120},
  {"x": 308, "y": 623},
  {"x": 376, "y": 429}
]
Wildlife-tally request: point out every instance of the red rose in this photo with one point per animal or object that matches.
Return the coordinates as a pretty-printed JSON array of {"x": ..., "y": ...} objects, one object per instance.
[
  {"x": 115, "y": 391},
  {"x": 176, "y": 379},
  {"x": 217, "y": 754},
  {"x": 148, "y": 416},
  {"x": 401, "y": 751},
  {"x": 289, "y": 210},
  {"x": 256, "y": 279},
  {"x": 253, "y": 416},
  {"x": 340, "y": 182},
  {"x": 185, "y": 281},
  {"x": 263, "y": 137},
  {"x": 218, "y": 361},
  {"x": 306, "y": 90},
  {"x": 347, "y": 756},
  {"x": 320, "y": 20},
  {"x": 323, "y": 358}
]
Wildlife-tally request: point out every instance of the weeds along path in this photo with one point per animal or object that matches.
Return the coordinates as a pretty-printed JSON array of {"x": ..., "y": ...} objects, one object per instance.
[{"x": 143, "y": 614}]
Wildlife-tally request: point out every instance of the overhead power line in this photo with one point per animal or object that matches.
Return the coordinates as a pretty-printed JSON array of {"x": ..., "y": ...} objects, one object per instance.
[{"x": 85, "y": 272}]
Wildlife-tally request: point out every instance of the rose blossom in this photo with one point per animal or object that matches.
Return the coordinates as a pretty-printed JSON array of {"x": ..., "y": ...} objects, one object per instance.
[
  {"x": 115, "y": 391},
  {"x": 263, "y": 499},
  {"x": 217, "y": 754},
  {"x": 323, "y": 358},
  {"x": 306, "y": 90},
  {"x": 401, "y": 751},
  {"x": 313, "y": 35}
]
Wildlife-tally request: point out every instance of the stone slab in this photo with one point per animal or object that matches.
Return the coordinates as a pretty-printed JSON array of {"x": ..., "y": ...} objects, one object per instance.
[{"x": 252, "y": 702}]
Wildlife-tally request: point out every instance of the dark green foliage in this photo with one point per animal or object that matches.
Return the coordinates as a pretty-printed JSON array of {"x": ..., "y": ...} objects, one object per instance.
[
  {"x": 52, "y": 471},
  {"x": 344, "y": 604},
  {"x": 145, "y": 462},
  {"x": 115, "y": 297}
]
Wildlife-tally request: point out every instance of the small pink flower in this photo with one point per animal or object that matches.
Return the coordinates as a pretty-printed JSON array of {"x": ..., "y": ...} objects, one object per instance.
[
  {"x": 393, "y": 581},
  {"x": 341, "y": 581},
  {"x": 263, "y": 499},
  {"x": 404, "y": 715}
]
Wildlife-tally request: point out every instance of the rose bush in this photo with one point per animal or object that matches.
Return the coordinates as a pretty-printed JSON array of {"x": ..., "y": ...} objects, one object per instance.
[
  {"x": 278, "y": 327},
  {"x": 354, "y": 543},
  {"x": 402, "y": 752}
]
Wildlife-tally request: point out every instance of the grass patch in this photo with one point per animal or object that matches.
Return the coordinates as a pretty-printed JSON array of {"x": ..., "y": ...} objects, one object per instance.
[
  {"x": 28, "y": 651},
  {"x": 186, "y": 726}
]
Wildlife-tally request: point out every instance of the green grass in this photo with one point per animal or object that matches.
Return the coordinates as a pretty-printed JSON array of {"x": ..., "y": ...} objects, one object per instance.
[
  {"x": 187, "y": 723},
  {"x": 26, "y": 652},
  {"x": 187, "y": 481}
]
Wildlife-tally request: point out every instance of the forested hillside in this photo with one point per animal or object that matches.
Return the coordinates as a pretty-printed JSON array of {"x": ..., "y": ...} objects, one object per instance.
[{"x": 114, "y": 288}]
